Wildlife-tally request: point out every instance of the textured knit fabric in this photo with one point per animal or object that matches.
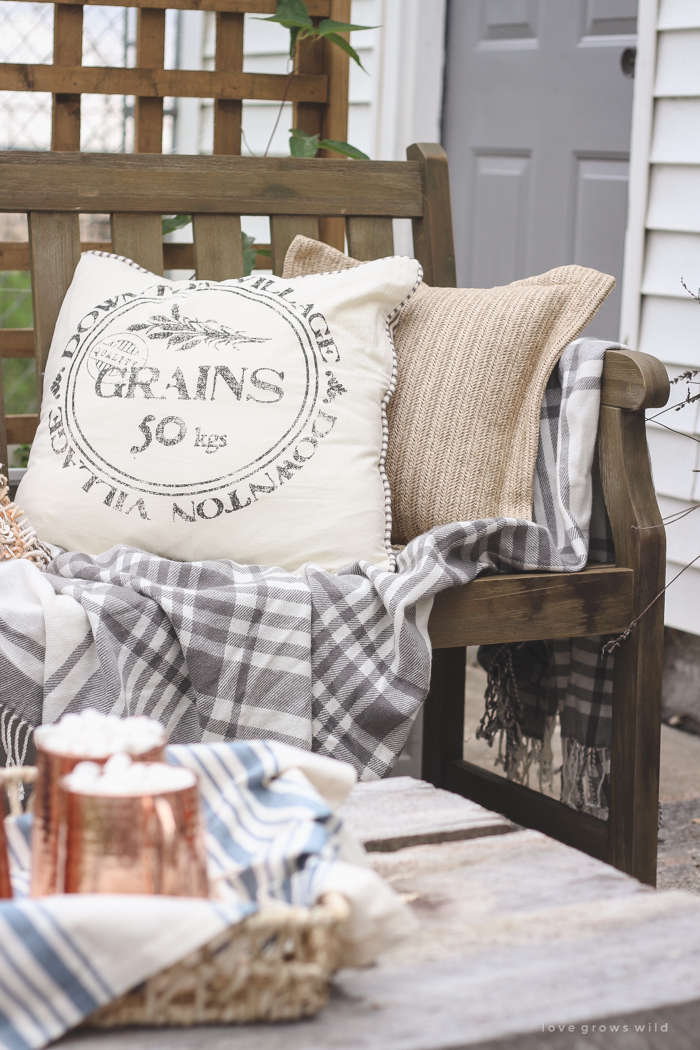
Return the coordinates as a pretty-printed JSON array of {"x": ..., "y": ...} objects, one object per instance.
[{"x": 473, "y": 364}]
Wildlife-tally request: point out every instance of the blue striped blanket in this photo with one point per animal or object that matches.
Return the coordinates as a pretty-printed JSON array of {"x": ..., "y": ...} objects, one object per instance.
[{"x": 271, "y": 834}]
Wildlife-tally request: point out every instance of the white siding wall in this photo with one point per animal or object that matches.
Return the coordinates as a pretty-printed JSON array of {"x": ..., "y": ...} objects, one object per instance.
[{"x": 664, "y": 245}]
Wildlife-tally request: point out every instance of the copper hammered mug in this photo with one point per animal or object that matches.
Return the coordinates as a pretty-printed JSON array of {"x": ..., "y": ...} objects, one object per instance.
[
  {"x": 52, "y": 766},
  {"x": 133, "y": 843}
]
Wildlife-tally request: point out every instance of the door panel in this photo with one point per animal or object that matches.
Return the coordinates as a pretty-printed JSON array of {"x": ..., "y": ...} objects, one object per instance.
[
  {"x": 610, "y": 17},
  {"x": 599, "y": 231},
  {"x": 536, "y": 124},
  {"x": 509, "y": 20},
  {"x": 500, "y": 221}
]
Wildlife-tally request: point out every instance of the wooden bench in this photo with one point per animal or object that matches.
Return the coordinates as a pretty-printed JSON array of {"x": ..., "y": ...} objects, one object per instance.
[
  {"x": 136, "y": 190},
  {"x": 521, "y": 943}
]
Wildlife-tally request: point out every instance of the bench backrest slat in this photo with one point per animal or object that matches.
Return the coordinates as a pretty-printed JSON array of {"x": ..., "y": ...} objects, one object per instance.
[
  {"x": 283, "y": 230},
  {"x": 432, "y": 232},
  {"x": 107, "y": 182},
  {"x": 54, "y": 252},
  {"x": 218, "y": 247},
  {"x": 139, "y": 237},
  {"x": 370, "y": 237}
]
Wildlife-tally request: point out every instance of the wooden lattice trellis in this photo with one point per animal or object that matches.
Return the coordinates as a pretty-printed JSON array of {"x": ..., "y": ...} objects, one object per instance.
[{"x": 318, "y": 90}]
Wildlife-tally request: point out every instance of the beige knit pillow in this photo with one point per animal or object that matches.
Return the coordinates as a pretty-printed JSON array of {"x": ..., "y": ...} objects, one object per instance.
[{"x": 473, "y": 364}]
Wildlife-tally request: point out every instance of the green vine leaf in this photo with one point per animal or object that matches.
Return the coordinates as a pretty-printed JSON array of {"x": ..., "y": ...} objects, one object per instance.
[
  {"x": 329, "y": 25},
  {"x": 174, "y": 222},
  {"x": 346, "y": 47},
  {"x": 343, "y": 148},
  {"x": 294, "y": 16},
  {"x": 329, "y": 29},
  {"x": 21, "y": 455},
  {"x": 301, "y": 144},
  {"x": 249, "y": 254},
  {"x": 291, "y": 13}
]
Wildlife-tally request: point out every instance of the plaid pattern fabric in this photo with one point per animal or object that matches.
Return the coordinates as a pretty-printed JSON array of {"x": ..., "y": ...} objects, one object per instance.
[
  {"x": 531, "y": 682},
  {"x": 336, "y": 663}
]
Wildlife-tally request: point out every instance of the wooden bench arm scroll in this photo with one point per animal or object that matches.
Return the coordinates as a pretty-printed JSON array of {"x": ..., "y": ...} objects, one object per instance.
[{"x": 634, "y": 381}]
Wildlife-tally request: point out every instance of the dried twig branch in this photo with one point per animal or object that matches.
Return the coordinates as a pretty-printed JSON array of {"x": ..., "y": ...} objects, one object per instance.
[
  {"x": 691, "y": 294},
  {"x": 673, "y": 408},
  {"x": 691, "y": 437},
  {"x": 671, "y": 519},
  {"x": 279, "y": 111},
  {"x": 610, "y": 646},
  {"x": 688, "y": 377}
]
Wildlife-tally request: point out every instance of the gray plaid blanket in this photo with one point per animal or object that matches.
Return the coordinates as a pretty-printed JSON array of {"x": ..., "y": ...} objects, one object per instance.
[
  {"x": 336, "y": 663},
  {"x": 532, "y": 684}
]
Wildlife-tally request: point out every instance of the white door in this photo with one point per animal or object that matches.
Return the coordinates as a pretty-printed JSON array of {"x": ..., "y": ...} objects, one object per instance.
[{"x": 536, "y": 124}]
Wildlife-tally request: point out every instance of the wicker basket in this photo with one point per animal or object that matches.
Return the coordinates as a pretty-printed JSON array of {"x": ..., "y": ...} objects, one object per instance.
[{"x": 273, "y": 966}]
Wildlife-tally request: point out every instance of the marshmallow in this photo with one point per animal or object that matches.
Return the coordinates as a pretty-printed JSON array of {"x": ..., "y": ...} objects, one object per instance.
[
  {"x": 120, "y": 776},
  {"x": 90, "y": 734}
]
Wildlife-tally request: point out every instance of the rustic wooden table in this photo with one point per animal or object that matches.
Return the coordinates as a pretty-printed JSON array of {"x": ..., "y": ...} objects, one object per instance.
[{"x": 522, "y": 943}]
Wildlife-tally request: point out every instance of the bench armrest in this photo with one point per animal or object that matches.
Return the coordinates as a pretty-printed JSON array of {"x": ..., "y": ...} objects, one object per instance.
[{"x": 634, "y": 381}]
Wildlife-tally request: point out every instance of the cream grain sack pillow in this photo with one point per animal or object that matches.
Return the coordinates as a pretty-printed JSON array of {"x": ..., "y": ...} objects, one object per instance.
[{"x": 242, "y": 420}]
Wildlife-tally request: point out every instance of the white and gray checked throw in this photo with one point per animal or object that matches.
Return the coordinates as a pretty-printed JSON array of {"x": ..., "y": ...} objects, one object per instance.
[{"x": 338, "y": 663}]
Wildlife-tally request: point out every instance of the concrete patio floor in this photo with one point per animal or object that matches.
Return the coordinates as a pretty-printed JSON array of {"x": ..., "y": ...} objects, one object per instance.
[{"x": 679, "y": 837}]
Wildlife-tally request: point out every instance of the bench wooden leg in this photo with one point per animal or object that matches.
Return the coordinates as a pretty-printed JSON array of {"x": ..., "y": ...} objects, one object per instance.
[
  {"x": 629, "y": 838},
  {"x": 636, "y": 708},
  {"x": 443, "y": 719},
  {"x": 634, "y": 764},
  {"x": 443, "y": 766}
]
